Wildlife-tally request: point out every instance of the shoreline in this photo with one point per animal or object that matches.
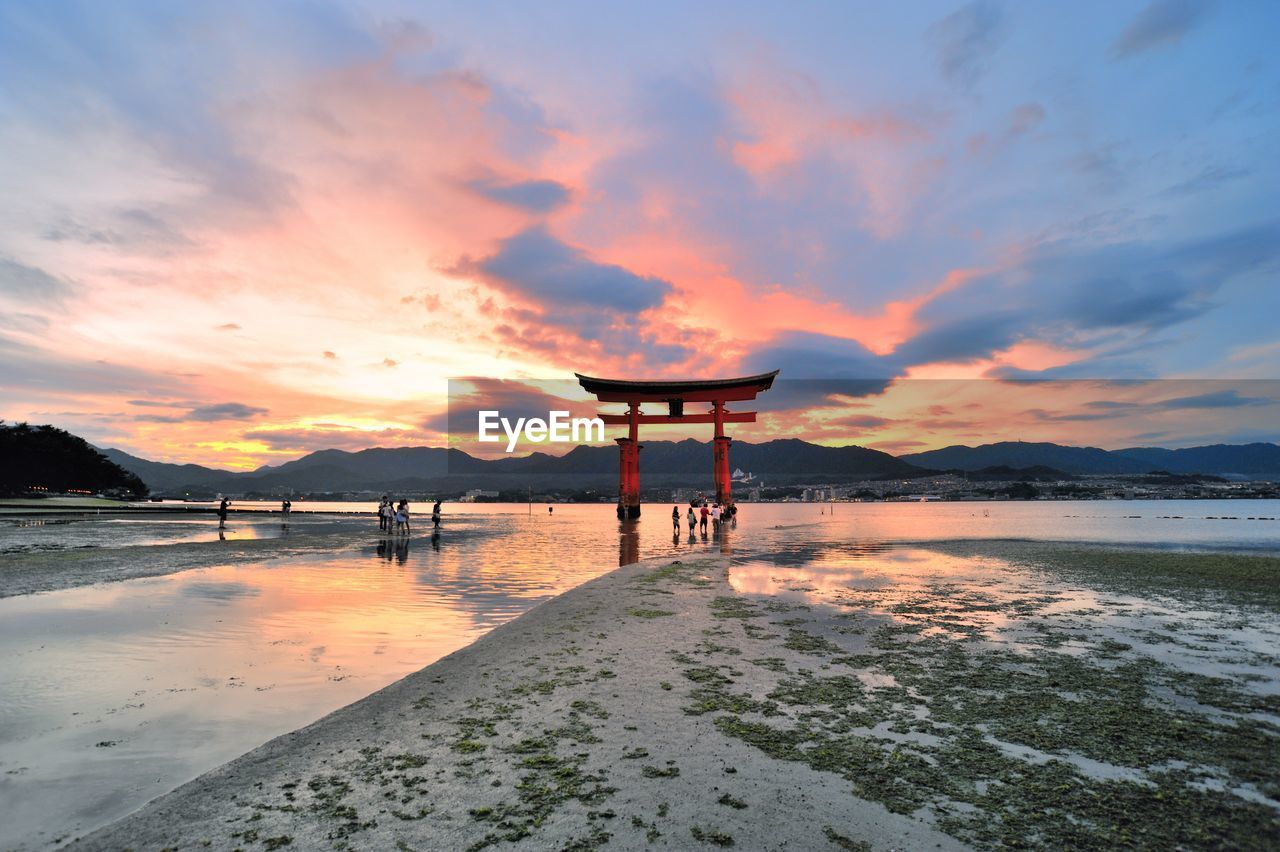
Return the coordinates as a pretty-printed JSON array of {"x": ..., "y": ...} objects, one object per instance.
[{"x": 658, "y": 707}]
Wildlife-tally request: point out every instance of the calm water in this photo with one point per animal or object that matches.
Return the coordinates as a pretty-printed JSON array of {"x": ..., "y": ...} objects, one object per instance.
[{"x": 117, "y": 693}]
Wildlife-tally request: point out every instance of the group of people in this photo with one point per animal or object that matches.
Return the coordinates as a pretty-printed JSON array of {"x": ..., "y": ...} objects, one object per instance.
[
  {"x": 700, "y": 517},
  {"x": 393, "y": 517}
]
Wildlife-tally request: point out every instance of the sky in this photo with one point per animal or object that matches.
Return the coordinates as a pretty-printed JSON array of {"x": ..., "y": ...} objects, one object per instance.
[{"x": 237, "y": 232}]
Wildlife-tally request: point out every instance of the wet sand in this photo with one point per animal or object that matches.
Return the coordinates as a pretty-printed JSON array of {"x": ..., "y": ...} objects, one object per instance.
[
  {"x": 47, "y": 570},
  {"x": 968, "y": 694}
]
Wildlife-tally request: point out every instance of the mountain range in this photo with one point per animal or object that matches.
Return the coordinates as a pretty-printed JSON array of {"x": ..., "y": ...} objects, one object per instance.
[
  {"x": 1234, "y": 461},
  {"x": 687, "y": 463}
]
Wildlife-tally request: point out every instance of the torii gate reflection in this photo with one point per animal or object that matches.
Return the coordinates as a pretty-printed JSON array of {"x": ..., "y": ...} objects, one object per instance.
[{"x": 675, "y": 395}]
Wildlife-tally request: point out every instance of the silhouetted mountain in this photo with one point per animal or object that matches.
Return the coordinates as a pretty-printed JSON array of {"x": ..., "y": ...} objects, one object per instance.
[
  {"x": 1004, "y": 473},
  {"x": 162, "y": 476},
  {"x": 664, "y": 463},
  {"x": 50, "y": 459},
  {"x": 688, "y": 463},
  {"x": 1078, "y": 460},
  {"x": 1231, "y": 460}
]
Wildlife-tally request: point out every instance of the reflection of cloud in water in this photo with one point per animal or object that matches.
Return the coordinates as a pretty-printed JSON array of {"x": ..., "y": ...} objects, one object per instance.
[
  {"x": 941, "y": 592},
  {"x": 830, "y": 570},
  {"x": 219, "y": 590}
]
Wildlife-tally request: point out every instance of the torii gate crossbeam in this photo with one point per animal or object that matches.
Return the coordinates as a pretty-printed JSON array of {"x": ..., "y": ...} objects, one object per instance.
[{"x": 717, "y": 392}]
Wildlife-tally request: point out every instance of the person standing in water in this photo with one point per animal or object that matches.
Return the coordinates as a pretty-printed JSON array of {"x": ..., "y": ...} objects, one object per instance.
[
  {"x": 285, "y": 507},
  {"x": 705, "y": 513},
  {"x": 222, "y": 512},
  {"x": 693, "y": 520},
  {"x": 435, "y": 514},
  {"x": 675, "y": 518}
]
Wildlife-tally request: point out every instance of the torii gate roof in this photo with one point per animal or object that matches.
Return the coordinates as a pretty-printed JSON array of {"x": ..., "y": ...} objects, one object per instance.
[{"x": 704, "y": 390}]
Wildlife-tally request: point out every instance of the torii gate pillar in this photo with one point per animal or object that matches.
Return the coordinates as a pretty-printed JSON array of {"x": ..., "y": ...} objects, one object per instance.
[
  {"x": 724, "y": 481},
  {"x": 720, "y": 457},
  {"x": 629, "y": 477},
  {"x": 675, "y": 395}
]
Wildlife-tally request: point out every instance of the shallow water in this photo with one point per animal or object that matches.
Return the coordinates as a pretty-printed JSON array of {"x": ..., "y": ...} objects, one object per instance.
[
  {"x": 1219, "y": 524},
  {"x": 117, "y": 693}
]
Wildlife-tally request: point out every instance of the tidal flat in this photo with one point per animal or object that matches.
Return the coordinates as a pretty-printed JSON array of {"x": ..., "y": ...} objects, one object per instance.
[{"x": 942, "y": 695}]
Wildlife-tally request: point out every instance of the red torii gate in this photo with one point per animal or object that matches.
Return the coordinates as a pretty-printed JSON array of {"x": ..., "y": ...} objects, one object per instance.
[{"x": 675, "y": 395}]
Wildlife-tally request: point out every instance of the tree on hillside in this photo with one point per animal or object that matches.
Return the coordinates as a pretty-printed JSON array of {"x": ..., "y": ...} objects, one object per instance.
[
  {"x": 54, "y": 460},
  {"x": 1023, "y": 491}
]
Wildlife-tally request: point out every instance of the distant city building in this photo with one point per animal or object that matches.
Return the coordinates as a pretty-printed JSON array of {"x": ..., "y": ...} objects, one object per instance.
[{"x": 472, "y": 495}]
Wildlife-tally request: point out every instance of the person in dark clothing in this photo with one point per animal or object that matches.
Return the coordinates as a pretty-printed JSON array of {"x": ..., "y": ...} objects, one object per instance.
[
  {"x": 675, "y": 518},
  {"x": 222, "y": 512}
]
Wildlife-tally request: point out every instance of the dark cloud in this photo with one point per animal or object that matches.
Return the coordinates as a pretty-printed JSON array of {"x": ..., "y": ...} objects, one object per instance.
[
  {"x": 573, "y": 299},
  {"x": 1046, "y": 416},
  {"x": 964, "y": 339},
  {"x": 1107, "y": 404},
  {"x": 572, "y": 337},
  {"x": 158, "y": 403},
  {"x": 535, "y": 265},
  {"x": 535, "y": 196},
  {"x": 1121, "y": 293},
  {"x": 818, "y": 370},
  {"x": 28, "y": 284},
  {"x": 1161, "y": 23},
  {"x": 1214, "y": 399},
  {"x": 224, "y": 411},
  {"x": 1230, "y": 254},
  {"x": 1095, "y": 368},
  {"x": 808, "y": 355},
  {"x": 1151, "y": 299},
  {"x": 966, "y": 39},
  {"x": 860, "y": 421}
]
